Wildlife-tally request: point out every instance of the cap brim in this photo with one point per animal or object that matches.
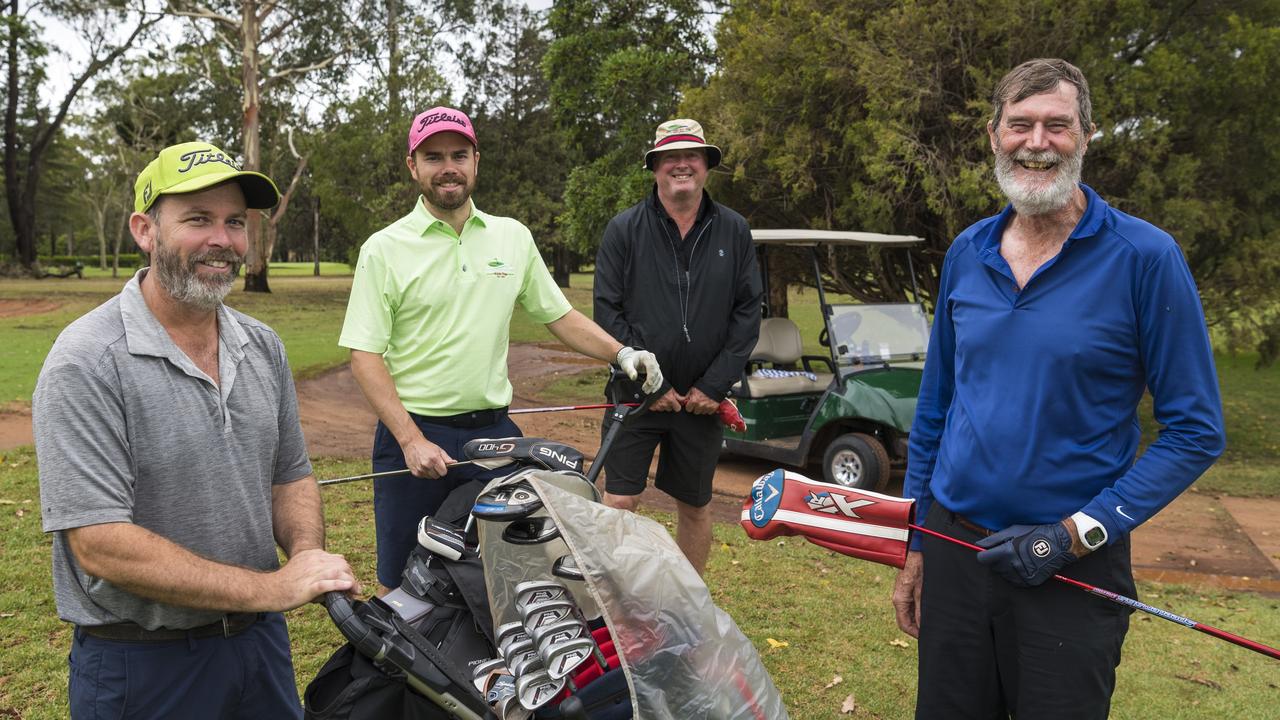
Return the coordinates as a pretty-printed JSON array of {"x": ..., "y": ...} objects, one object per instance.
[
  {"x": 713, "y": 152},
  {"x": 259, "y": 191}
]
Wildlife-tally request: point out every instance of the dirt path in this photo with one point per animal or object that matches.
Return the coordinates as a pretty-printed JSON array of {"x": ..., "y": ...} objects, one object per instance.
[{"x": 1199, "y": 539}]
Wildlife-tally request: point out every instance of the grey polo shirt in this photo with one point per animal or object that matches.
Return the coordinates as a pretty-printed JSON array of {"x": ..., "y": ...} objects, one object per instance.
[{"x": 128, "y": 429}]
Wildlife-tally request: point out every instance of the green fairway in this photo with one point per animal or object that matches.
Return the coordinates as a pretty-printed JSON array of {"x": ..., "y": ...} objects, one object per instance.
[{"x": 827, "y": 614}]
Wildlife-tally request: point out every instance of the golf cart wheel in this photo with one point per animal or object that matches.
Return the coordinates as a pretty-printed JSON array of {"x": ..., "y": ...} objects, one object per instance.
[{"x": 857, "y": 461}]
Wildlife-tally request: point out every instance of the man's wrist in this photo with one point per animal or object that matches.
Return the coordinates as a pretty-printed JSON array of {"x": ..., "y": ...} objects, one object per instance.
[{"x": 1087, "y": 534}]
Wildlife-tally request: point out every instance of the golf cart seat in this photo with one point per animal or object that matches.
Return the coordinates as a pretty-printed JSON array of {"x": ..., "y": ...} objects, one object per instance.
[{"x": 781, "y": 347}]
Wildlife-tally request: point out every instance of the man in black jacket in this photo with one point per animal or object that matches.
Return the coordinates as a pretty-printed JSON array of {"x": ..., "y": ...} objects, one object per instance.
[{"x": 676, "y": 275}]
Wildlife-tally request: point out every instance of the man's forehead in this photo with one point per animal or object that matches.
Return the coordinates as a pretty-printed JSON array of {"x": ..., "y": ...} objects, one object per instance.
[{"x": 1064, "y": 95}]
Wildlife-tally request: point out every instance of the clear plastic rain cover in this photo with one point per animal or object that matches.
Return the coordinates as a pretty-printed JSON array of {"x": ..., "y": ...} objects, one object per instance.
[{"x": 683, "y": 656}]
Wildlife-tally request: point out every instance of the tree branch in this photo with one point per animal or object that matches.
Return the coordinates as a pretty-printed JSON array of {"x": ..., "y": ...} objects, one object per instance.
[
  {"x": 301, "y": 69},
  {"x": 293, "y": 184},
  {"x": 195, "y": 11}
]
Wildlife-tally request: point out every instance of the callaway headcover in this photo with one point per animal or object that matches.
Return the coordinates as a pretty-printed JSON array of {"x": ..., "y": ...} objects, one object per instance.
[{"x": 860, "y": 523}]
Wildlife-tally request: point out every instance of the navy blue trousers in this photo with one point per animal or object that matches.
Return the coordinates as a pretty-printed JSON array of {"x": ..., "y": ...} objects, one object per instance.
[{"x": 249, "y": 676}]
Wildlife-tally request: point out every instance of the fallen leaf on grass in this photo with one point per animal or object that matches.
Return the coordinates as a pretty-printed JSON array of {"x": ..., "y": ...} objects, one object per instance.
[
  {"x": 7, "y": 614},
  {"x": 20, "y": 512},
  {"x": 848, "y": 706},
  {"x": 775, "y": 644},
  {"x": 1200, "y": 681},
  {"x": 7, "y": 502},
  {"x": 834, "y": 682},
  {"x": 898, "y": 643}
]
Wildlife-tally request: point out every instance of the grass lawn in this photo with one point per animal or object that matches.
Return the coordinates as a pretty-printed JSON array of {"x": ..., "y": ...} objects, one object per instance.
[{"x": 835, "y": 621}]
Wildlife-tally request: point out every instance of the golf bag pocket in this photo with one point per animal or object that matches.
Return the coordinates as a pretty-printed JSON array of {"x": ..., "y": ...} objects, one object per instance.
[{"x": 351, "y": 687}]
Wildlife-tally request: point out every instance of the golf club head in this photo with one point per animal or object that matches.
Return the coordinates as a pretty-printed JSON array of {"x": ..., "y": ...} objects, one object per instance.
[
  {"x": 527, "y": 664},
  {"x": 441, "y": 538},
  {"x": 561, "y": 658},
  {"x": 541, "y": 615},
  {"x": 516, "y": 650},
  {"x": 511, "y": 637},
  {"x": 526, "y": 451},
  {"x": 537, "y": 689},
  {"x": 503, "y": 686},
  {"x": 508, "y": 502},
  {"x": 530, "y": 531},
  {"x": 509, "y": 708},
  {"x": 481, "y": 671},
  {"x": 533, "y": 592},
  {"x": 560, "y": 631},
  {"x": 567, "y": 567}
]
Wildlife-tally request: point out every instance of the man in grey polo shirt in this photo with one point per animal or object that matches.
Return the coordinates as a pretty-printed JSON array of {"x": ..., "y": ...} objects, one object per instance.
[{"x": 172, "y": 465}]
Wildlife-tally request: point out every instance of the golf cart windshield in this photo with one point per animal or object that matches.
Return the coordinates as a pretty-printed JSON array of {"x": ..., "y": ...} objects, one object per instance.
[{"x": 864, "y": 334}]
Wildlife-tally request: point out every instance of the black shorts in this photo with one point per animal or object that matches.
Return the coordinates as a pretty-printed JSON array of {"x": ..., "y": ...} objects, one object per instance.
[{"x": 686, "y": 464}]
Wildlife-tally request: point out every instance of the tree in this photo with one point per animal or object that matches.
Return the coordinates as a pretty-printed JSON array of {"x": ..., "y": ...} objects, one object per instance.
[
  {"x": 30, "y": 128},
  {"x": 616, "y": 69},
  {"x": 877, "y": 122},
  {"x": 274, "y": 44}
]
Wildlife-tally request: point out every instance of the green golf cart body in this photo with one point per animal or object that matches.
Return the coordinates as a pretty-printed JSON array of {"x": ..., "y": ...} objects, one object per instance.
[{"x": 848, "y": 411}]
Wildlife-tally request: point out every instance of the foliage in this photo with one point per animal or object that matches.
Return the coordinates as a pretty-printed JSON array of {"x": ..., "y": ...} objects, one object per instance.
[
  {"x": 616, "y": 70},
  {"x": 877, "y": 122}
]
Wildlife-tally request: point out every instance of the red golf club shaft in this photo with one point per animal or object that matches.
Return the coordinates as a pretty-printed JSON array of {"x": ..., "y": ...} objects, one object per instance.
[{"x": 1130, "y": 602}]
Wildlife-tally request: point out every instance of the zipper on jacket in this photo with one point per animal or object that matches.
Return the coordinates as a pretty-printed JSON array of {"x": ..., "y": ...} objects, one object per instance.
[{"x": 683, "y": 297}]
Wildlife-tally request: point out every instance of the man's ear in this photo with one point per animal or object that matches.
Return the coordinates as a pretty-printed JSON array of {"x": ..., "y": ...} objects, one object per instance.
[
  {"x": 413, "y": 170},
  {"x": 991, "y": 136},
  {"x": 143, "y": 229}
]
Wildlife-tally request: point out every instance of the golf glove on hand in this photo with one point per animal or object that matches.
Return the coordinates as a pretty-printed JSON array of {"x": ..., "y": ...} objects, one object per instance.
[
  {"x": 1027, "y": 555},
  {"x": 631, "y": 360}
]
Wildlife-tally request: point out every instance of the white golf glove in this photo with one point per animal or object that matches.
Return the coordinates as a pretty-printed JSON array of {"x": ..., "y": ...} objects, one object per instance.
[{"x": 630, "y": 360}]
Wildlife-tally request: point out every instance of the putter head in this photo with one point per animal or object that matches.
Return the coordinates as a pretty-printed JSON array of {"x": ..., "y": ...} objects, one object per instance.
[
  {"x": 563, "y": 657},
  {"x": 526, "y": 451},
  {"x": 441, "y": 538},
  {"x": 537, "y": 689},
  {"x": 530, "y": 531},
  {"x": 547, "y": 613},
  {"x": 533, "y": 592},
  {"x": 508, "y": 502},
  {"x": 560, "y": 631},
  {"x": 567, "y": 567}
]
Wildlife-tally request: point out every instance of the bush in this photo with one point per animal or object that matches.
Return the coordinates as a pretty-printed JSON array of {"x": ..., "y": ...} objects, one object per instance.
[{"x": 127, "y": 260}]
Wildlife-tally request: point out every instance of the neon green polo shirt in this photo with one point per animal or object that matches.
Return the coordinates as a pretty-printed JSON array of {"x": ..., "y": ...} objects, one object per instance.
[{"x": 437, "y": 306}]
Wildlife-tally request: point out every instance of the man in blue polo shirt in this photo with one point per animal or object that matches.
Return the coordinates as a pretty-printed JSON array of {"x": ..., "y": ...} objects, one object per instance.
[{"x": 1052, "y": 319}]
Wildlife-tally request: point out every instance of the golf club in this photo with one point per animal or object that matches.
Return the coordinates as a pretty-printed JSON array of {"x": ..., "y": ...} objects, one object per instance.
[
  {"x": 481, "y": 671},
  {"x": 537, "y": 689},
  {"x": 530, "y": 531},
  {"x": 502, "y": 686},
  {"x": 562, "y": 408},
  {"x": 1130, "y": 602},
  {"x": 509, "y": 708},
  {"x": 547, "y": 613},
  {"x": 509, "y": 634},
  {"x": 567, "y": 567},
  {"x": 486, "y": 463},
  {"x": 532, "y": 592},
  {"x": 527, "y": 664},
  {"x": 562, "y": 630},
  {"x": 441, "y": 538},
  {"x": 562, "y": 657},
  {"x": 509, "y": 502}
]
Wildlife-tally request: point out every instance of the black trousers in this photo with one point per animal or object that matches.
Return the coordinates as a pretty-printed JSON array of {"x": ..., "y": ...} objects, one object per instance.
[{"x": 989, "y": 649}]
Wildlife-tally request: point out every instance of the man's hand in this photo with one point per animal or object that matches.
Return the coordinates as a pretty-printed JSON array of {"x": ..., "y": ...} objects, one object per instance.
[
  {"x": 308, "y": 576},
  {"x": 631, "y": 360},
  {"x": 1027, "y": 555},
  {"x": 425, "y": 459},
  {"x": 906, "y": 594},
  {"x": 671, "y": 401},
  {"x": 698, "y": 403}
]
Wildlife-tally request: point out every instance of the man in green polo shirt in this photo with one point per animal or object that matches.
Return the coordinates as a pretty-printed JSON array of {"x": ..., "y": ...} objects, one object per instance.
[{"x": 428, "y": 324}]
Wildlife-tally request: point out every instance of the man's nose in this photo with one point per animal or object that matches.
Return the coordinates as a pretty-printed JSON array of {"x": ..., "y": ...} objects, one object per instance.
[{"x": 1039, "y": 138}]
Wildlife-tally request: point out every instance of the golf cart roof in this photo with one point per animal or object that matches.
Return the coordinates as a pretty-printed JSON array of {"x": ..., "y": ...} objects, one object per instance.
[{"x": 808, "y": 238}]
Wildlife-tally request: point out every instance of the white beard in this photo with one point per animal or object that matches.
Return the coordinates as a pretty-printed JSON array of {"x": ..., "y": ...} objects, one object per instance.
[{"x": 1031, "y": 200}]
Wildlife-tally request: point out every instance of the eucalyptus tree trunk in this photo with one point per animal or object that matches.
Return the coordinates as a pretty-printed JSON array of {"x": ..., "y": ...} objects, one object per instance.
[{"x": 258, "y": 256}]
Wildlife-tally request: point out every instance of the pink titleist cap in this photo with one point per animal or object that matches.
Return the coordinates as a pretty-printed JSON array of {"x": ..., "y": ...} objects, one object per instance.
[{"x": 437, "y": 120}]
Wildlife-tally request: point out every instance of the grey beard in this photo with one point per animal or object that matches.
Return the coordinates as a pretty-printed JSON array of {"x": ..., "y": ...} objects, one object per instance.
[
  {"x": 1030, "y": 201},
  {"x": 184, "y": 285}
]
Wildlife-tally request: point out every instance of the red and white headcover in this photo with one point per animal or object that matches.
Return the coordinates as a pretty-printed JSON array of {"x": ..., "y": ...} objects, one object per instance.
[{"x": 860, "y": 523}]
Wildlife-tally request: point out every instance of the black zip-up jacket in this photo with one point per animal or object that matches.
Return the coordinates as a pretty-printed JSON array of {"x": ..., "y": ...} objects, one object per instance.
[{"x": 694, "y": 302}]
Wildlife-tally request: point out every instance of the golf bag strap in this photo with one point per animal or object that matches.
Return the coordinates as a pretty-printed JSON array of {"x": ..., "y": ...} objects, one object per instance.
[{"x": 432, "y": 653}]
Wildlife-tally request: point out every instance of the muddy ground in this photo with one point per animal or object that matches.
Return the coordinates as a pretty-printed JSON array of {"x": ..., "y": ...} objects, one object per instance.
[{"x": 1199, "y": 539}]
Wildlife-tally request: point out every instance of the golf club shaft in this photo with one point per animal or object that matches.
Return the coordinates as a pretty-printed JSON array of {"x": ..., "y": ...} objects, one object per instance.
[
  {"x": 1130, "y": 602},
  {"x": 562, "y": 408},
  {"x": 388, "y": 473}
]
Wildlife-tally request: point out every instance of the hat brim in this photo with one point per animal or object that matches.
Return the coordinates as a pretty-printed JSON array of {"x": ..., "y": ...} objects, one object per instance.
[
  {"x": 259, "y": 191},
  {"x": 713, "y": 152}
]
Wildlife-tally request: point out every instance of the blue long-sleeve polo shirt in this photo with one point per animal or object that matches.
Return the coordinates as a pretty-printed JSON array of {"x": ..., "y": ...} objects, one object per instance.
[{"x": 1028, "y": 406}]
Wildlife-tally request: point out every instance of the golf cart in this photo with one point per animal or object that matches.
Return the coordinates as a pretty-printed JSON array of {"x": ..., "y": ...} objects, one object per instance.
[{"x": 849, "y": 410}]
